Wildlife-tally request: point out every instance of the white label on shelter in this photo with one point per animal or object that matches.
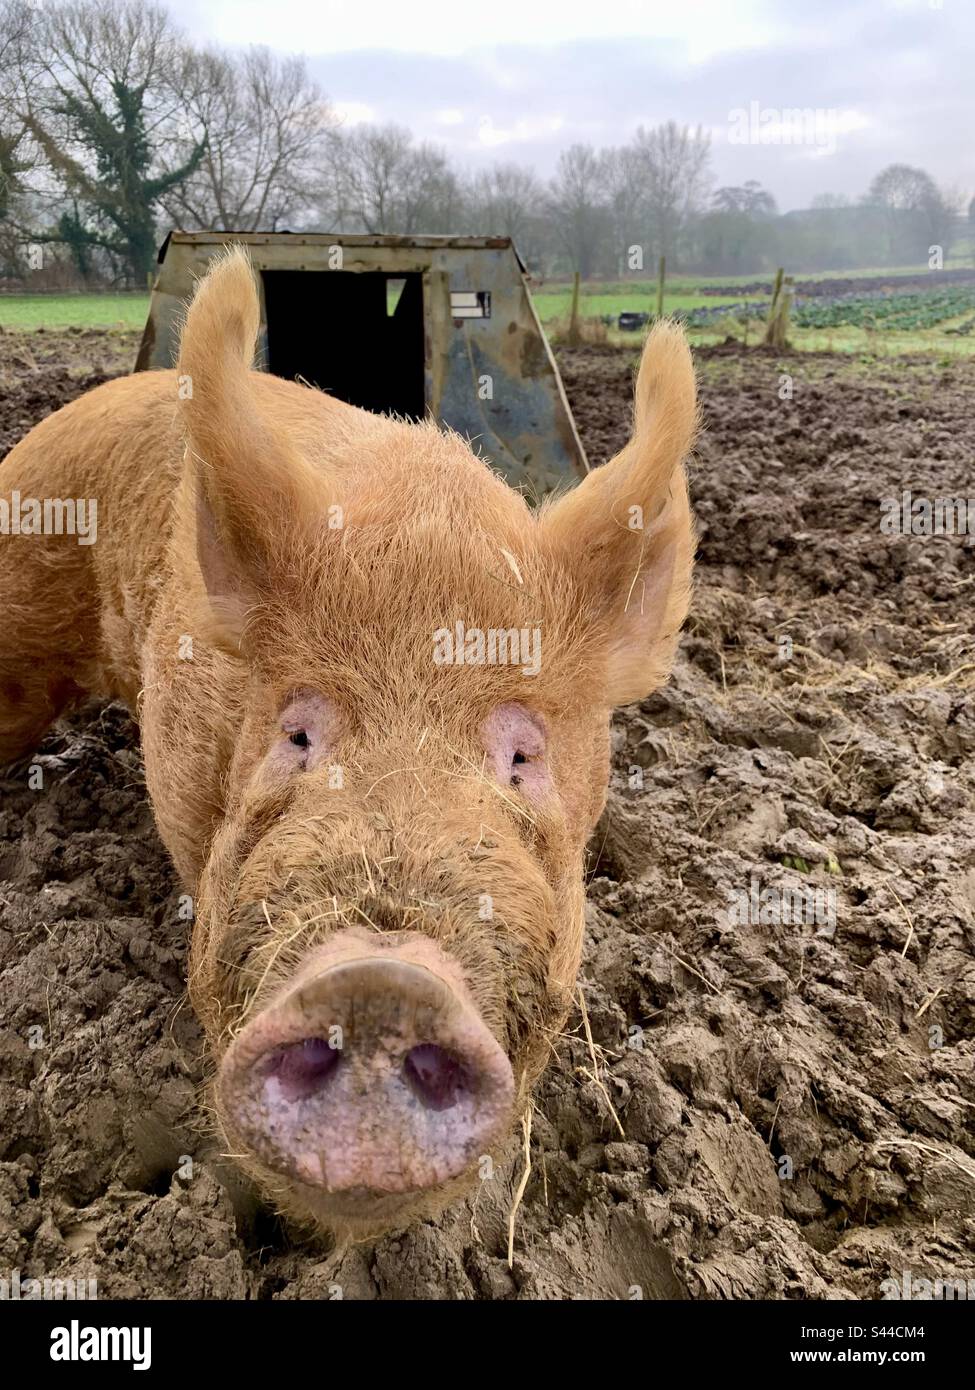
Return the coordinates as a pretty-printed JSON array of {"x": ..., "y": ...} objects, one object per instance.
[{"x": 470, "y": 304}]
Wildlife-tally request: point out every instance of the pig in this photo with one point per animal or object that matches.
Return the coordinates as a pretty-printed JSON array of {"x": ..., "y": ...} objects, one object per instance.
[{"x": 374, "y": 690}]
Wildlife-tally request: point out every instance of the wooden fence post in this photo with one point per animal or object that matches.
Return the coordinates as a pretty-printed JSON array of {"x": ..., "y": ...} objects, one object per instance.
[
  {"x": 573, "y": 337},
  {"x": 776, "y": 334},
  {"x": 773, "y": 308}
]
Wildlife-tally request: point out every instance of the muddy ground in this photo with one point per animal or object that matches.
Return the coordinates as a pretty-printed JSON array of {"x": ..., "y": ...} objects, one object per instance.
[{"x": 772, "y": 1111}]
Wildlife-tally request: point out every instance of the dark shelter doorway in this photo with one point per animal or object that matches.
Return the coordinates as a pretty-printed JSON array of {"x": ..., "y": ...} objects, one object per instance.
[{"x": 356, "y": 334}]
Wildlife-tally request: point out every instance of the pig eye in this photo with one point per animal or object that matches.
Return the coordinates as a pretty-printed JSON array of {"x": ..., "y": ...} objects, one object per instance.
[{"x": 297, "y": 750}]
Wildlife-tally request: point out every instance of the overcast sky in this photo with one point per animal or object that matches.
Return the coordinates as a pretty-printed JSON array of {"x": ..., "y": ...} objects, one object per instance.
[{"x": 521, "y": 79}]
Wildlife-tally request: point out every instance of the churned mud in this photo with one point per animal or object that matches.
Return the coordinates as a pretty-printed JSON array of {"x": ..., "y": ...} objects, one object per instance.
[
  {"x": 748, "y": 1107},
  {"x": 44, "y": 370}
]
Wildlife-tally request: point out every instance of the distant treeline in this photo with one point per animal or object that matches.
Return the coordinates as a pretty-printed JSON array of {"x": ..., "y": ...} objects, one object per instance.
[{"x": 114, "y": 128}]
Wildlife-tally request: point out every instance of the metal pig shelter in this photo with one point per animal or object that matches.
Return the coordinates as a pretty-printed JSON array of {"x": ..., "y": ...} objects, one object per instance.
[{"x": 428, "y": 325}]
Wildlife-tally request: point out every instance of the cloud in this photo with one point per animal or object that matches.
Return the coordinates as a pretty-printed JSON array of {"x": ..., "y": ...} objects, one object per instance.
[
  {"x": 448, "y": 29},
  {"x": 527, "y": 81},
  {"x": 521, "y": 132},
  {"x": 354, "y": 112}
]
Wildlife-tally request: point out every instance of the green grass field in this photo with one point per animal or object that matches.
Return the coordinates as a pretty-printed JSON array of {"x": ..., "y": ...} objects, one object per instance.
[
  {"x": 29, "y": 312},
  {"x": 851, "y": 340},
  {"x": 683, "y": 294},
  {"x": 595, "y": 300}
]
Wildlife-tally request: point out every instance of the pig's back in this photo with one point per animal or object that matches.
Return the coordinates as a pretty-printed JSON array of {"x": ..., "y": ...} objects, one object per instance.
[
  {"x": 117, "y": 446},
  {"x": 121, "y": 445}
]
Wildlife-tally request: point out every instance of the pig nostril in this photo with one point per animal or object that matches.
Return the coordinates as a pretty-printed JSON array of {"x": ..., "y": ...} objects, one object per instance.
[
  {"x": 303, "y": 1069},
  {"x": 434, "y": 1076}
]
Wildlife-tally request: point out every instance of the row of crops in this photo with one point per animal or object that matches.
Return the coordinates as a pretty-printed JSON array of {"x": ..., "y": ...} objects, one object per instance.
[{"x": 905, "y": 312}]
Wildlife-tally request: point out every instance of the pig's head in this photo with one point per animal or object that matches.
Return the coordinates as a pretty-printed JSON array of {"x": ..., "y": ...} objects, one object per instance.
[{"x": 416, "y": 672}]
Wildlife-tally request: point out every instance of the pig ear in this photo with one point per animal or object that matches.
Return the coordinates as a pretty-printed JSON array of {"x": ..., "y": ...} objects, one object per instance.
[
  {"x": 247, "y": 495},
  {"x": 626, "y": 531}
]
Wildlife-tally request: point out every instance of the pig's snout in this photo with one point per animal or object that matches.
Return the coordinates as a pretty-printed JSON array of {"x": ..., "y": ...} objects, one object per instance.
[{"x": 373, "y": 1075}]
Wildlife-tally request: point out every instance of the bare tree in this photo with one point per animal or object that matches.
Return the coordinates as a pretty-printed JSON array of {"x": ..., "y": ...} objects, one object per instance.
[
  {"x": 378, "y": 181},
  {"x": 620, "y": 170},
  {"x": 576, "y": 206},
  {"x": 101, "y": 102},
  {"x": 18, "y": 154},
  {"x": 749, "y": 198},
  {"x": 674, "y": 171},
  {"x": 432, "y": 198},
  {"x": 918, "y": 213},
  {"x": 902, "y": 186},
  {"x": 505, "y": 199},
  {"x": 264, "y": 125}
]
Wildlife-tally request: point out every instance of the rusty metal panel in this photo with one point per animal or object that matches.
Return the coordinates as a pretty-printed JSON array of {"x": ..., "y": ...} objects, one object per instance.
[{"x": 489, "y": 372}]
